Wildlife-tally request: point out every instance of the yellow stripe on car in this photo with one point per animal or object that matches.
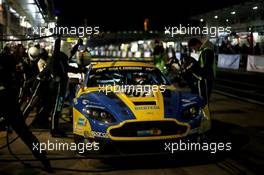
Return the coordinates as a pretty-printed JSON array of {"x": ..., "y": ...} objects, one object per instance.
[{"x": 145, "y": 112}]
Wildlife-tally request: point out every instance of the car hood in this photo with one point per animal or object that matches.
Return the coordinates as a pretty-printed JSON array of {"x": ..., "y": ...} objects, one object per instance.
[{"x": 160, "y": 105}]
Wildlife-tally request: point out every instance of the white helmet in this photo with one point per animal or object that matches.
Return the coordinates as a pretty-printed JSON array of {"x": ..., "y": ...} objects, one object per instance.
[{"x": 33, "y": 53}]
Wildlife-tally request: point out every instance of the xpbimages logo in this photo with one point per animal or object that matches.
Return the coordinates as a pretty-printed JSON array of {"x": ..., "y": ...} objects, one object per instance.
[
  {"x": 192, "y": 30},
  {"x": 80, "y": 31},
  {"x": 65, "y": 146},
  {"x": 133, "y": 90}
]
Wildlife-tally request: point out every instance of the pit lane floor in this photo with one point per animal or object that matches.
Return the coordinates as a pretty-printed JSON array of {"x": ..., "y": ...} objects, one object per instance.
[{"x": 237, "y": 121}]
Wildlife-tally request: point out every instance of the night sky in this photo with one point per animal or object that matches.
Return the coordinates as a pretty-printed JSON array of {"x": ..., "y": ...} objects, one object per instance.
[{"x": 120, "y": 15}]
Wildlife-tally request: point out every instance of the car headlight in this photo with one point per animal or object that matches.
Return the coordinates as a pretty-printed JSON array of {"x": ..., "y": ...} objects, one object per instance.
[
  {"x": 190, "y": 112},
  {"x": 99, "y": 114}
]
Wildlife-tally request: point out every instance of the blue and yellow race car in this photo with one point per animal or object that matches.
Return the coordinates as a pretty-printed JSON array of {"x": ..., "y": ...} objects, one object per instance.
[{"x": 131, "y": 108}]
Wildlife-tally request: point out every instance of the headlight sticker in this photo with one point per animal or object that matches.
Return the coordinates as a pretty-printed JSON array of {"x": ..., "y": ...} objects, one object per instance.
[{"x": 81, "y": 122}]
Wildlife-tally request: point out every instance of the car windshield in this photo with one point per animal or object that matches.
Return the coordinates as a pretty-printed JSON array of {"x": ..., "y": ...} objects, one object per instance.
[{"x": 125, "y": 75}]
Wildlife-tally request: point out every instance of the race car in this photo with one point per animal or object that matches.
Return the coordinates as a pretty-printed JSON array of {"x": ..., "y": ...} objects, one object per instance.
[{"x": 128, "y": 107}]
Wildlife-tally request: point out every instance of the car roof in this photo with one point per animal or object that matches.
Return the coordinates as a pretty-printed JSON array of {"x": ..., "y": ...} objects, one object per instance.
[{"x": 122, "y": 63}]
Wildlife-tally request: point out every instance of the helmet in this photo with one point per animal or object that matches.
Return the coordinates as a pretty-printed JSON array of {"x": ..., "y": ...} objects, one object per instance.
[
  {"x": 33, "y": 53},
  {"x": 139, "y": 78}
]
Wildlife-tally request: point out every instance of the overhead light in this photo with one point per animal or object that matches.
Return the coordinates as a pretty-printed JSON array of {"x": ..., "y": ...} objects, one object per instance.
[
  {"x": 201, "y": 19},
  {"x": 12, "y": 10},
  {"x": 170, "y": 44},
  {"x": 32, "y": 8},
  {"x": 255, "y": 35},
  {"x": 215, "y": 17},
  {"x": 255, "y": 7},
  {"x": 51, "y": 24},
  {"x": 233, "y": 13},
  {"x": 227, "y": 20}
]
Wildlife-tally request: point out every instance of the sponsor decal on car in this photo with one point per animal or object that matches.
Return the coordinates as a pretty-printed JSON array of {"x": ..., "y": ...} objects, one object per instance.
[
  {"x": 147, "y": 108},
  {"x": 152, "y": 132},
  {"x": 78, "y": 128},
  {"x": 100, "y": 134},
  {"x": 81, "y": 122}
]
